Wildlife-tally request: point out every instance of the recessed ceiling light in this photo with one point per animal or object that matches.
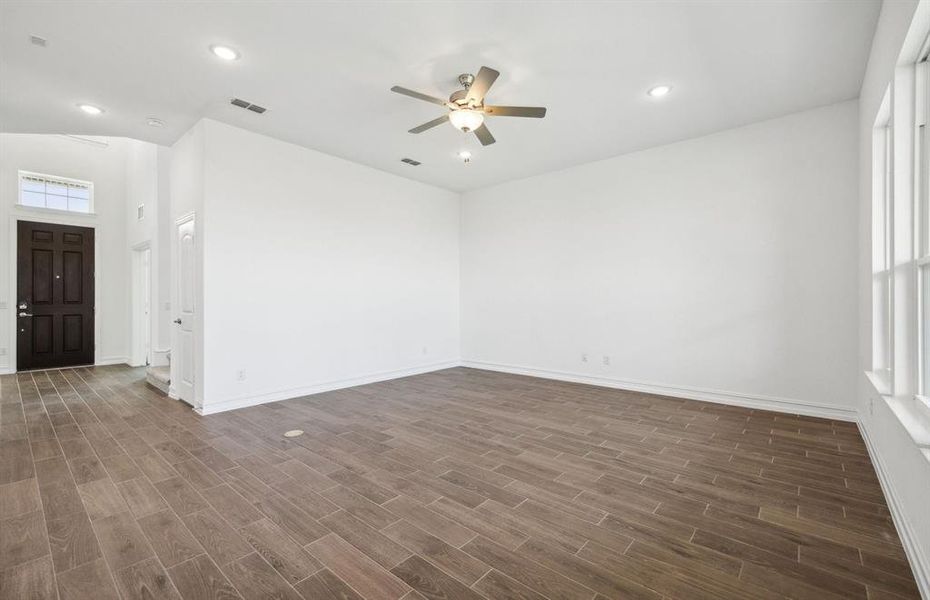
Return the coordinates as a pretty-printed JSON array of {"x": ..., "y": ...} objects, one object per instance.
[
  {"x": 659, "y": 91},
  {"x": 153, "y": 122},
  {"x": 90, "y": 109},
  {"x": 465, "y": 155},
  {"x": 224, "y": 52}
]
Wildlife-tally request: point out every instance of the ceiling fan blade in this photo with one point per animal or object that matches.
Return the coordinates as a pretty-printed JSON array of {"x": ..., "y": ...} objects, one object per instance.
[
  {"x": 535, "y": 112},
  {"x": 484, "y": 135},
  {"x": 430, "y": 125},
  {"x": 483, "y": 81},
  {"x": 418, "y": 95}
]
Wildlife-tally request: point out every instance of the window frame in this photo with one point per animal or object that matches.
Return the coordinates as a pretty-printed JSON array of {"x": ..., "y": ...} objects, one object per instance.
[
  {"x": 921, "y": 151},
  {"x": 23, "y": 175},
  {"x": 882, "y": 275}
]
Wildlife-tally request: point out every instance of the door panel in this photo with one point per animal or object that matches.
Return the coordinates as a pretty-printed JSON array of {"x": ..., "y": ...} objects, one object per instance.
[
  {"x": 55, "y": 296},
  {"x": 183, "y": 351}
]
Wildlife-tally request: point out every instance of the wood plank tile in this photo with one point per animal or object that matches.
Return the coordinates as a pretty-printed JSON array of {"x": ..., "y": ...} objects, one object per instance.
[
  {"x": 216, "y": 536},
  {"x": 298, "y": 524},
  {"x": 18, "y": 498},
  {"x": 33, "y": 580},
  {"x": 527, "y": 572},
  {"x": 72, "y": 541},
  {"x": 280, "y": 551},
  {"x": 234, "y": 508},
  {"x": 23, "y": 539},
  {"x": 180, "y": 496},
  {"x": 201, "y": 579},
  {"x": 87, "y": 469},
  {"x": 90, "y": 581},
  {"x": 429, "y": 521},
  {"x": 432, "y": 583},
  {"x": 360, "y": 572},
  {"x": 121, "y": 540},
  {"x": 453, "y": 561},
  {"x": 377, "y": 546},
  {"x": 141, "y": 497},
  {"x": 256, "y": 579},
  {"x": 146, "y": 580},
  {"x": 102, "y": 499},
  {"x": 500, "y": 587},
  {"x": 169, "y": 538},
  {"x": 326, "y": 586}
]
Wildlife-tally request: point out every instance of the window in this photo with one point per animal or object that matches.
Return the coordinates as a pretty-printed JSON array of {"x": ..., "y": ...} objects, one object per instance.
[{"x": 56, "y": 193}]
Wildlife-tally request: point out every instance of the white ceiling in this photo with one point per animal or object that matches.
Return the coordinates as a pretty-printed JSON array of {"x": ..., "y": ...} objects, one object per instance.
[{"x": 324, "y": 71}]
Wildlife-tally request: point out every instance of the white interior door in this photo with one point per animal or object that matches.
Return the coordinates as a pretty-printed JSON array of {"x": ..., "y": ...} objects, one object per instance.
[{"x": 182, "y": 354}]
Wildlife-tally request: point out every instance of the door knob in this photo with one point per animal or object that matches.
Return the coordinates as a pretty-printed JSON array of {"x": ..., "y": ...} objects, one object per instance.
[
  {"x": 24, "y": 314},
  {"x": 177, "y": 321}
]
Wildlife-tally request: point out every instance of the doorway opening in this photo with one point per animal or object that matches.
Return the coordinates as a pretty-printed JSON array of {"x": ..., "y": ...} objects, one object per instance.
[{"x": 141, "y": 306}]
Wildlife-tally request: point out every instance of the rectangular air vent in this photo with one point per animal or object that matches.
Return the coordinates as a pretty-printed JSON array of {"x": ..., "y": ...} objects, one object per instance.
[
  {"x": 411, "y": 162},
  {"x": 248, "y": 105}
]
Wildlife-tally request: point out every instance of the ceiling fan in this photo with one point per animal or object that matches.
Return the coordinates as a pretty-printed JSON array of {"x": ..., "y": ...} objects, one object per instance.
[{"x": 467, "y": 108}]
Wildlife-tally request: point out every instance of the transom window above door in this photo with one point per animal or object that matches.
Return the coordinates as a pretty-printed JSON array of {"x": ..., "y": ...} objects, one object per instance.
[{"x": 55, "y": 193}]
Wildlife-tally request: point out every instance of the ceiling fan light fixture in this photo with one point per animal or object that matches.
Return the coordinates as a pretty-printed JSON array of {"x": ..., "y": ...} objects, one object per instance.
[{"x": 466, "y": 119}]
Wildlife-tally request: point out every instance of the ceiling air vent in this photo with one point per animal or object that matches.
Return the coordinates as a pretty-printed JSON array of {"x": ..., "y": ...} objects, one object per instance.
[
  {"x": 248, "y": 105},
  {"x": 411, "y": 162}
]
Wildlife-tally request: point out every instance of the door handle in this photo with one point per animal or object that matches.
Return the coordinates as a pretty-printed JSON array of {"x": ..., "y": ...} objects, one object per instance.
[
  {"x": 177, "y": 321},
  {"x": 24, "y": 314}
]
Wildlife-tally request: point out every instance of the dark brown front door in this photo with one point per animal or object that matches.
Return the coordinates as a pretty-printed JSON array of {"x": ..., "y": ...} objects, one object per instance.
[{"x": 55, "y": 296}]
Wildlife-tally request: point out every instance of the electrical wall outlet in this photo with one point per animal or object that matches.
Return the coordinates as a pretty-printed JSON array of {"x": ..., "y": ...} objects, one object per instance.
[
  {"x": 606, "y": 360},
  {"x": 584, "y": 357},
  {"x": 240, "y": 375}
]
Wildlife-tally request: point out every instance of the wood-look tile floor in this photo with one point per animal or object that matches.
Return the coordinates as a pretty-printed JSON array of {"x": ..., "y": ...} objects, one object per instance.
[{"x": 460, "y": 484}]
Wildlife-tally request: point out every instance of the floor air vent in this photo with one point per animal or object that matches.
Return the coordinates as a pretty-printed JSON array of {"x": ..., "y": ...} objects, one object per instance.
[
  {"x": 411, "y": 162},
  {"x": 248, "y": 105}
]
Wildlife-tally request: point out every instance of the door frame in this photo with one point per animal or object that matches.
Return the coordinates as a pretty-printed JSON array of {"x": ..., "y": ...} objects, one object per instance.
[
  {"x": 137, "y": 349},
  {"x": 20, "y": 214}
]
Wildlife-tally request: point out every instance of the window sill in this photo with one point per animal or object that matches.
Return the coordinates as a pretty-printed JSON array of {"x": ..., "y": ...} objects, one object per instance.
[{"x": 913, "y": 412}]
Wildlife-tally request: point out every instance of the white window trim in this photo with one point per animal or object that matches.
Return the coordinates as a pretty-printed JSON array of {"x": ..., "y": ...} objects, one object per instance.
[{"x": 66, "y": 180}]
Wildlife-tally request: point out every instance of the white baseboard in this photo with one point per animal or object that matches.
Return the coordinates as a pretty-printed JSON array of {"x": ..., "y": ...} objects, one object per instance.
[
  {"x": 102, "y": 362},
  {"x": 328, "y": 386},
  {"x": 111, "y": 360},
  {"x": 920, "y": 566},
  {"x": 783, "y": 405}
]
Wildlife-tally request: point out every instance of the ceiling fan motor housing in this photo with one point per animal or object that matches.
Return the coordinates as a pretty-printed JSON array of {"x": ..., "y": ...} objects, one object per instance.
[{"x": 458, "y": 97}]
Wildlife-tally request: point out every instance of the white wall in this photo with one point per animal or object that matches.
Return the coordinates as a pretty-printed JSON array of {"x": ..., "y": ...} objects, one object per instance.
[
  {"x": 142, "y": 181},
  {"x": 904, "y": 470},
  {"x": 186, "y": 192},
  {"x": 319, "y": 272},
  {"x": 106, "y": 167},
  {"x": 721, "y": 267}
]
